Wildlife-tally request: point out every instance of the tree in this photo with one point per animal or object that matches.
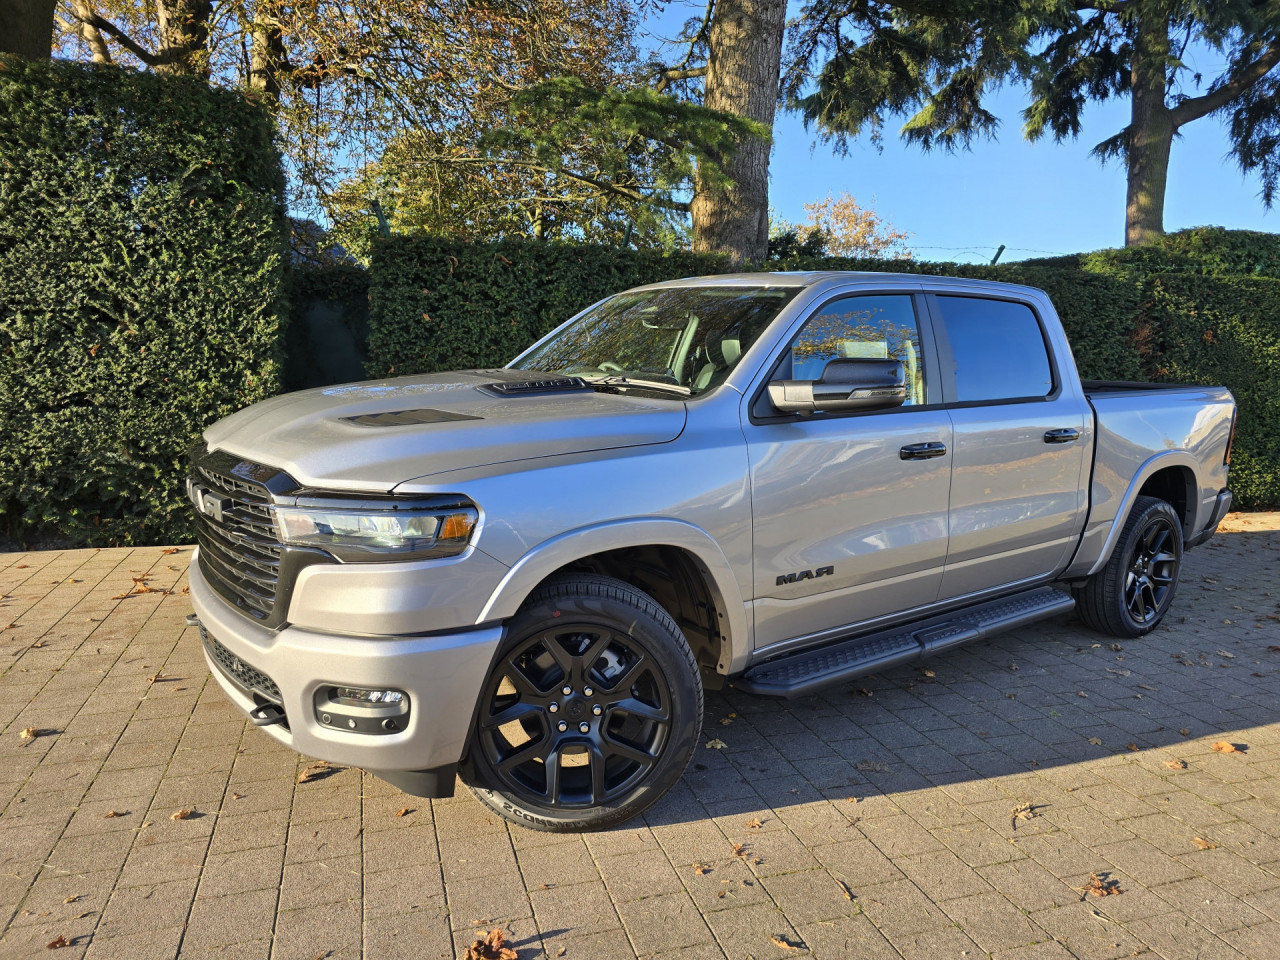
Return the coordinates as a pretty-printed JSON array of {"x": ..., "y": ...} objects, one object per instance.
[
  {"x": 839, "y": 227},
  {"x": 744, "y": 53},
  {"x": 26, "y": 28},
  {"x": 936, "y": 62}
]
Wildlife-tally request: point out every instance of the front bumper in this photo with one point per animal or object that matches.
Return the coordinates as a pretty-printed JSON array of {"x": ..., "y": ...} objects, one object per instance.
[{"x": 441, "y": 673}]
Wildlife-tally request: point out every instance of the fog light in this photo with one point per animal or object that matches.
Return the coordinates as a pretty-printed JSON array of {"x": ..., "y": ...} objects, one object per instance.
[
  {"x": 359, "y": 695},
  {"x": 377, "y": 710}
]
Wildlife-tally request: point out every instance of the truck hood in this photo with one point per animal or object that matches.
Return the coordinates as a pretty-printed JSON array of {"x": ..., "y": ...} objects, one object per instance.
[{"x": 372, "y": 436}]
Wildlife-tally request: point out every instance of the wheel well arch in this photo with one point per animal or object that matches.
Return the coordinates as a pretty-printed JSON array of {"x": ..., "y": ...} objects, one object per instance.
[
  {"x": 679, "y": 583},
  {"x": 1176, "y": 486}
]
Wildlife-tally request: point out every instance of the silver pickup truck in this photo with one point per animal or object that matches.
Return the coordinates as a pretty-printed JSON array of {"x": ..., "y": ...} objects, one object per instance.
[{"x": 529, "y": 575}]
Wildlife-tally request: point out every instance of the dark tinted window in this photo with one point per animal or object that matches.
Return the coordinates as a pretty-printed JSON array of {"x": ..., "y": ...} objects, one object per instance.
[
  {"x": 998, "y": 348},
  {"x": 878, "y": 327}
]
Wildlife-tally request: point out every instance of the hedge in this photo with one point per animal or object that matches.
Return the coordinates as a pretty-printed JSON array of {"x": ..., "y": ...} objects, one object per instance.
[
  {"x": 141, "y": 271},
  {"x": 1198, "y": 307}
]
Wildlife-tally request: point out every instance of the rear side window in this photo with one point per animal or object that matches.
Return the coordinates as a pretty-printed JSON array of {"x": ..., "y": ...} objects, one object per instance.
[{"x": 998, "y": 348}]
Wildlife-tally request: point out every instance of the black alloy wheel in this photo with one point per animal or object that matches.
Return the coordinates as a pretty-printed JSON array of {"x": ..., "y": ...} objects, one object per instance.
[
  {"x": 1131, "y": 594},
  {"x": 1151, "y": 577},
  {"x": 591, "y": 710}
]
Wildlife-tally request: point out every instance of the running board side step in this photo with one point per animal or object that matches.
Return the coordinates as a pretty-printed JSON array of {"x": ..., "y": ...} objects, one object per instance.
[{"x": 806, "y": 672}]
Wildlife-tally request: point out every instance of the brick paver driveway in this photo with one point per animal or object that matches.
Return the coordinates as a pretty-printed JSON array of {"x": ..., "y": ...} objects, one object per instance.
[{"x": 959, "y": 809}]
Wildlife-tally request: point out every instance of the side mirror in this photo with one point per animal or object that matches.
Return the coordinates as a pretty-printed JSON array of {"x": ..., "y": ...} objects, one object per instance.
[{"x": 851, "y": 383}]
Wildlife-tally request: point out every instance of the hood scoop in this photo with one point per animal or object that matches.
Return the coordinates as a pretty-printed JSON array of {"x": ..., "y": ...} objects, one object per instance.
[
  {"x": 405, "y": 418},
  {"x": 512, "y": 388}
]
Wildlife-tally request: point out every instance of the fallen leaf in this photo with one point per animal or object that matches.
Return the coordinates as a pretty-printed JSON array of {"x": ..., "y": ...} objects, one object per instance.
[
  {"x": 28, "y": 733},
  {"x": 1023, "y": 811},
  {"x": 716, "y": 744},
  {"x": 165, "y": 553},
  {"x": 872, "y": 766},
  {"x": 1204, "y": 844},
  {"x": 404, "y": 811},
  {"x": 1095, "y": 741},
  {"x": 1229, "y": 656},
  {"x": 1132, "y": 746},
  {"x": 756, "y": 823},
  {"x": 312, "y": 772},
  {"x": 111, "y": 815},
  {"x": 701, "y": 869},
  {"x": 1143, "y": 686},
  {"x": 848, "y": 894},
  {"x": 725, "y": 721},
  {"x": 72, "y": 899},
  {"x": 1273, "y": 648},
  {"x": 1081, "y": 693},
  {"x": 155, "y": 676},
  {"x": 1119, "y": 671},
  {"x": 740, "y": 850},
  {"x": 492, "y": 947},
  {"x": 1176, "y": 764},
  {"x": 1101, "y": 886},
  {"x": 1116, "y": 647},
  {"x": 783, "y": 943},
  {"x": 57, "y": 943},
  {"x": 182, "y": 814},
  {"x": 237, "y": 796},
  {"x": 1222, "y": 746},
  {"x": 39, "y": 644},
  {"x": 1185, "y": 731},
  {"x": 21, "y": 566},
  {"x": 929, "y": 673}
]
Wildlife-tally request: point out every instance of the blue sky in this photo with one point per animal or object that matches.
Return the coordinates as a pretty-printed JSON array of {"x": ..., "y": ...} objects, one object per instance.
[{"x": 1037, "y": 199}]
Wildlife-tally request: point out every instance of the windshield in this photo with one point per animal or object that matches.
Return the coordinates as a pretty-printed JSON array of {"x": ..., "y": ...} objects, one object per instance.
[{"x": 686, "y": 337}]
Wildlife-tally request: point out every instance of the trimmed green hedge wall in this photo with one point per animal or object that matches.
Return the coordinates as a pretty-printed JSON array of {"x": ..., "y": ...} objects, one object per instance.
[
  {"x": 141, "y": 270},
  {"x": 1198, "y": 307}
]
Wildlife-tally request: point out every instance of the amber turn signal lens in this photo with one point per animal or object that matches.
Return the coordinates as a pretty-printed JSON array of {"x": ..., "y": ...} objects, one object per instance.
[{"x": 456, "y": 526}]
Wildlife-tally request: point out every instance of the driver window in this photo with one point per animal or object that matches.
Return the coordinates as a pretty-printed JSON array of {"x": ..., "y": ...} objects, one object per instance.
[{"x": 876, "y": 327}]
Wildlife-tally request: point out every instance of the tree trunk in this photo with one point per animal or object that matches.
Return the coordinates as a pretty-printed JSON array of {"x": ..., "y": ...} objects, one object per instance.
[
  {"x": 26, "y": 28},
  {"x": 267, "y": 58},
  {"x": 183, "y": 36},
  {"x": 745, "y": 42},
  {"x": 1151, "y": 130}
]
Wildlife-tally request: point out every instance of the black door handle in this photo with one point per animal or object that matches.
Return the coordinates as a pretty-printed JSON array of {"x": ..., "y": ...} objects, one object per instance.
[
  {"x": 922, "y": 451},
  {"x": 1062, "y": 435}
]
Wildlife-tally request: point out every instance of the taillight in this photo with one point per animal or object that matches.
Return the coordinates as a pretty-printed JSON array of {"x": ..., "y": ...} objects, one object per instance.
[{"x": 1231, "y": 437}]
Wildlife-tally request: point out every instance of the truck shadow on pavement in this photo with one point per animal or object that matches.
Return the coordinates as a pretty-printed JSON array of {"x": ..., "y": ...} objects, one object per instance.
[{"x": 1036, "y": 714}]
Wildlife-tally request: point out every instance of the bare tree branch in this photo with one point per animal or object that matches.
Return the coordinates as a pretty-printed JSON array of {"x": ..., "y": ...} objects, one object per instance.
[
  {"x": 666, "y": 77},
  {"x": 1197, "y": 107},
  {"x": 90, "y": 19}
]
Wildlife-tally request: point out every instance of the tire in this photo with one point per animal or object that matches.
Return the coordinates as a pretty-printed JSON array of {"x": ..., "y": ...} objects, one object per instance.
[
  {"x": 631, "y": 720},
  {"x": 1132, "y": 593}
]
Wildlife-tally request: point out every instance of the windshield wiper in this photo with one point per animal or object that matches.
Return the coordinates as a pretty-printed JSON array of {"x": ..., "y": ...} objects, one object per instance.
[{"x": 620, "y": 381}]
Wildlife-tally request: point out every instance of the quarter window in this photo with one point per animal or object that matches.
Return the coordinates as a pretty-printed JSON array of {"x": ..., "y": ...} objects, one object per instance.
[
  {"x": 998, "y": 349},
  {"x": 875, "y": 327}
]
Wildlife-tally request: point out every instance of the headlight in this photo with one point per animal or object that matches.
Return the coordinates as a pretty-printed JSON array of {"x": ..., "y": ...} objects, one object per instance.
[{"x": 379, "y": 530}]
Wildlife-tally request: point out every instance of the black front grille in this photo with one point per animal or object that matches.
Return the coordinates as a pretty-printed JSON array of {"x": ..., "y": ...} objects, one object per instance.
[
  {"x": 239, "y": 553},
  {"x": 248, "y": 678}
]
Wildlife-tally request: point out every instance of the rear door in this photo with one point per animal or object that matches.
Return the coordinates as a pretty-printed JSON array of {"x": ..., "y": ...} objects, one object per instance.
[
  {"x": 1018, "y": 464},
  {"x": 847, "y": 526}
]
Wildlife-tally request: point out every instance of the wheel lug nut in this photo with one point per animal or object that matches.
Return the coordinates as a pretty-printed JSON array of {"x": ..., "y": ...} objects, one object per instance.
[
  {"x": 583, "y": 727},
  {"x": 562, "y": 726},
  {"x": 597, "y": 709},
  {"x": 554, "y": 708},
  {"x": 566, "y": 690},
  {"x": 586, "y": 691}
]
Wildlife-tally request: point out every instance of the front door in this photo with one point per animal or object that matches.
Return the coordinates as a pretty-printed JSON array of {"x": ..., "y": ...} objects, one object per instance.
[{"x": 850, "y": 509}]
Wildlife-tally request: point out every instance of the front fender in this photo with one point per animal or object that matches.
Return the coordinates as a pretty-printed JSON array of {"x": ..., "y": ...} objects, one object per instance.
[{"x": 551, "y": 555}]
